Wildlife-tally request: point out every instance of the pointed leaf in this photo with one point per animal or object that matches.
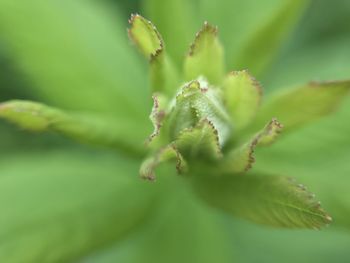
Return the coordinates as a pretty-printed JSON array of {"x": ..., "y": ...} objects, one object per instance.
[
  {"x": 205, "y": 57},
  {"x": 242, "y": 158},
  {"x": 199, "y": 142},
  {"x": 264, "y": 199},
  {"x": 303, "y": 104},
  {"x": 64, "y": 205},
  {"x": 84, "y": 128},
  {"x": 242, "y": 95},
  {"x": 75, "y": 54},
  {"x": 149, "y": 41},
  {"x": 145, "y": 36},
  {"x": 166, "y": 154}
]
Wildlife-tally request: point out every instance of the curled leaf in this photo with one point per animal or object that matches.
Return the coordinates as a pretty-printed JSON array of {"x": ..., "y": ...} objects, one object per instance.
[
  {"x": 197, "y": 101},
  {"x": 265, "y": 199},
  {"x": 145, "y": 36},
  {"x": 242, "y": 158},
  {"x": 166, "y": 154},
  {"x": 242, "y": 94},
  {"x": 205, "y": 57},
  {"x": 200, "y": 142}
]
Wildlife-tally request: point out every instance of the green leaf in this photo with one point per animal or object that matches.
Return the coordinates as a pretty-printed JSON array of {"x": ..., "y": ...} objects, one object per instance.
[
  {"x": 264, "y": 199},
  {"x": 241, "y": 159},
  {"x": 177, "y": 33},
  {"x": 303, "y": 104},
  {"x": 198, "y": 101},
  {"x": 200, "y": 142},
  {"x": 166, "y": 154},
  {"x": 242, "y": 94},
  {"x": 319, "y": 154},
  {"x": 149, "y": 41},
  {"x": 145, "y": 36},
  {"x": 59, "y": 206},
  {"x": 205, "y": 57},
  {"x": 76, "y": 55},
  {"x": 89, "y": 129},
  {"x": 262, "y": 45}
]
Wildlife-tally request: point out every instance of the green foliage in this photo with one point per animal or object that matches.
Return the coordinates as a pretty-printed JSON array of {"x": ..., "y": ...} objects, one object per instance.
[
  {"x": 88, "y": 205},
  {"x": 60, "y": 212},
  {"x": 242, "y": 94},
  {"x": 205, "y": 57},
  {"x": 303, "y": 104},
  {"x": 84, "y": 128},
  {"x": 265, "y": 199}
]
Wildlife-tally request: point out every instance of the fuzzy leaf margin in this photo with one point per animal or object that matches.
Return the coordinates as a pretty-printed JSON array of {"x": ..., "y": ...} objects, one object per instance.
[
  {"x": 242, "y": 95},
  {"x": 264, "y": 199},
  {"x": 241, "y": 159},
  {"x": 205, "y": 57}
]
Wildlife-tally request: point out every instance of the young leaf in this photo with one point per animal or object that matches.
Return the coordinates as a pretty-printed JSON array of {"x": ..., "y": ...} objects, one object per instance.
[
  {"x": 76, "y": 55},
  {"x": 65, "y": 205},
  {"x": 199, "y": 142},
  {"x": 264, "y": 199},
  {"x": 303, "y": 104},
  {"x": 149, "y": 41},
  {"x": 205, "y": 57},
  {"x": 262, "y": 45},
  {"x": 195, "y": 102},
  {"x": 87, "y": 129},
  {"x": 145, "y": 35},
  {"x": 242, "y": 94},
  {"x": 168, "y": 153},
  {"x": 242, "y": 158}
]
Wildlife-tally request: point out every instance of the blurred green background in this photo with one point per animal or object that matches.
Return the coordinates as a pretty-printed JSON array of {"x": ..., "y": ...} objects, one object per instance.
[{"x": 318, "y": 155}]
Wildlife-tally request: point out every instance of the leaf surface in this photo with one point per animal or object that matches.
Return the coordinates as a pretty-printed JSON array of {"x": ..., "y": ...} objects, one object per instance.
[
  {"x": 205, "y": 57},
  {"x": 264, "y": 199},
  {"x": 91, "y": 129}
]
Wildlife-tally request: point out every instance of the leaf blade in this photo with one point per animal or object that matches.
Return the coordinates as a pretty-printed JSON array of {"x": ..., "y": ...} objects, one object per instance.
[
  {"x": 88, "y": 129},
  {"x": 205, "y": 57},
  {"x": 264, "y": 199},
  {"x": 242, "y": 95},
  {"x": 303, "y": 104}
]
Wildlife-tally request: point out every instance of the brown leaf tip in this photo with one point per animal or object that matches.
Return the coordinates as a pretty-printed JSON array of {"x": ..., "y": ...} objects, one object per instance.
[
  {"x": 206, "y": 29},
  {"x": 149, "y": 25}
]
